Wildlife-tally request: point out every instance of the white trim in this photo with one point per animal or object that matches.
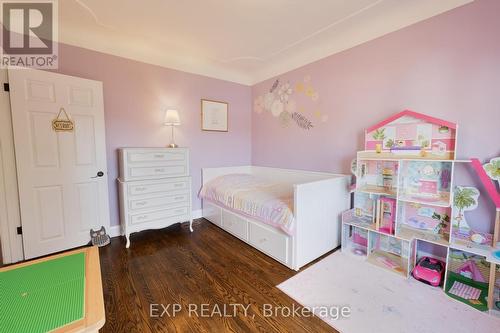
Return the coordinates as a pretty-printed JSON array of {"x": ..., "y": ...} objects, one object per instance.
[
  {"x": 196, "y": 214},
  {"x": 115, "y": 231},
  {"x": 12, "y": 243}
]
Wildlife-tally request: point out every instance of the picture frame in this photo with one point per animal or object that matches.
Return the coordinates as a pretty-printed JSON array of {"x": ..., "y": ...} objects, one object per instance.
[{"x": 214, "y": 115}]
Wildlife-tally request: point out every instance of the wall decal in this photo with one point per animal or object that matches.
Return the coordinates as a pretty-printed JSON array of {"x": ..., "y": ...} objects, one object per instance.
[
  {"x": 291, "y": 103},
  {"x": 302, "y": 121},
  {"x": 493, "y": 169}
]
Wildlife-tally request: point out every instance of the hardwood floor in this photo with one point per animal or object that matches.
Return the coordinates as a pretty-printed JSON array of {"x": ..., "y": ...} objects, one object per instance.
[{"x": 209, "y": 266}]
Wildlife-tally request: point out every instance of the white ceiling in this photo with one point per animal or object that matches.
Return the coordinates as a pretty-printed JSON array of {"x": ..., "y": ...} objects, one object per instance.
[{"x": 245, "y": 41}]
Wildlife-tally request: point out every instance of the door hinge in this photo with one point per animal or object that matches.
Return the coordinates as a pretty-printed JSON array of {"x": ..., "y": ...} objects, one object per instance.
[
  {"x": 6, "y": 87},
  {"x": 19, "y": 230}
]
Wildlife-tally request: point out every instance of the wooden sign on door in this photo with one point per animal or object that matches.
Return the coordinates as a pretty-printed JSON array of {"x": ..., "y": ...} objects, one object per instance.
[{"x": 63, "y": 125}]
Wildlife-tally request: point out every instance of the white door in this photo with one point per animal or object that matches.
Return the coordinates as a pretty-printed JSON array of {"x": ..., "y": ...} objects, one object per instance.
[{"x": 62, "y": 176}]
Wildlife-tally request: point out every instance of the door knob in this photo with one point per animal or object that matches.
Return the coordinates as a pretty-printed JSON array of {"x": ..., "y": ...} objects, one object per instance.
[{"x": 99, "y": 174}]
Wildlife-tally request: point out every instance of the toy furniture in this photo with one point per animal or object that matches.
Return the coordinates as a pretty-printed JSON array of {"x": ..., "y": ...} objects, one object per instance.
[
  {"x": 387, "y": 218},
  {"x": 405, "y": 194},
  {"x": 154, "y": 188},
  {"x": 58, "y": 293}
]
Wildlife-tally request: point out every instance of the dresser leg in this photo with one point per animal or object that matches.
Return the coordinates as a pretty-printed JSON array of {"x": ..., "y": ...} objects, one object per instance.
[
  {"x": 191, "y": 225},
  {"x": 128, "y": 240}
]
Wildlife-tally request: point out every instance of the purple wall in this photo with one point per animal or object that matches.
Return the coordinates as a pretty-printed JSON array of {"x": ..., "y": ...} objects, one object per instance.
[
  {"x": 134, "y": 94},
  {"x": 447, "y": 66}
]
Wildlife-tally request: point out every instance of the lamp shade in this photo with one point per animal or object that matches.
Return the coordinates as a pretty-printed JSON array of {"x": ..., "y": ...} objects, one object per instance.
[{"x": 172, "y": 118}]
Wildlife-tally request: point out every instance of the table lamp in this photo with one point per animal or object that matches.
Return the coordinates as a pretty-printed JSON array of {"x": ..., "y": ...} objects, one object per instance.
[{"x": 172, "y": 119}]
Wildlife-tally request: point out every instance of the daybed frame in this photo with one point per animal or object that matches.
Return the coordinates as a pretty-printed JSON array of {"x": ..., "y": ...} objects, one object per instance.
[{"x": 319, "y": 200}]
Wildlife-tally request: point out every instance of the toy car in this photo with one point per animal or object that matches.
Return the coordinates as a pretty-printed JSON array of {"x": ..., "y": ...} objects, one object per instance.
[{"x": 429, "y": 270}]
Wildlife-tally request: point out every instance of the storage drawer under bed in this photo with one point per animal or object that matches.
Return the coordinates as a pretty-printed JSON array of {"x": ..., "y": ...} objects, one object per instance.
[
  {"x": 235, "y": 224},
  {"x": 269, "y": 240},
  {"x": 265, "y": 238}
]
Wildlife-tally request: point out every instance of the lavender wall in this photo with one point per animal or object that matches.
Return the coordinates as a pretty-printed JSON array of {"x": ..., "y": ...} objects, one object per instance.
[
  {"x": 134, "y": 94},
  {"x": 447, "y": 66}
]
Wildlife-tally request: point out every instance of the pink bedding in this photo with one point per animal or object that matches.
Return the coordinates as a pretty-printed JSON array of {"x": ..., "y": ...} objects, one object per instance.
[{"x": 262, "y": 200}]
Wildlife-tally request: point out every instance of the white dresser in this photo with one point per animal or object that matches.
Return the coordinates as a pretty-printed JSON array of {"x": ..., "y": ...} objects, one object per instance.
[{"x": 154, "y": 188}]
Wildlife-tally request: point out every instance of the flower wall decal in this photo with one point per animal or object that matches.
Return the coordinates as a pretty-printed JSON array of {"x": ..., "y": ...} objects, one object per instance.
[
  {"x": 291, "y": 103},
  {"x": 493, "y": 169}
]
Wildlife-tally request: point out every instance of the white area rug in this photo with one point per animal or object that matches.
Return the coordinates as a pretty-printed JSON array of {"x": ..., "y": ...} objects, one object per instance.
[{"x": 382, "y": 301}]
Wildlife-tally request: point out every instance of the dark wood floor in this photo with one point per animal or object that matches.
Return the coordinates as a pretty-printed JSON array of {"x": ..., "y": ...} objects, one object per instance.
[{"x": 208, "y": 266}]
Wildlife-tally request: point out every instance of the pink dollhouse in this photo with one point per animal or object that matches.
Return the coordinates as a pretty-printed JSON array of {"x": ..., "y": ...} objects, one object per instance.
[{"x": 409, "y": 133}]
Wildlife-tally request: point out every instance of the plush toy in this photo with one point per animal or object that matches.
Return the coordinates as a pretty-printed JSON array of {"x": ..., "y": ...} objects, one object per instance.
[{"x": 99, "y": 237}]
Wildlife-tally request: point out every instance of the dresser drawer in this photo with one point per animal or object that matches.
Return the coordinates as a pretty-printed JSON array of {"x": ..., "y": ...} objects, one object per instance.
[
  {"x": 235, "y": 225},
  {"x": 157, "y": 171},
  {"x": 269, "y": 241},
  {"x": 158, "y": 215},
  {"x": 159, "y": 201},
  {"x": 153, "y": 163},
  {"x": 158, "y": 187},
  {"x": 156, "y": 156}
]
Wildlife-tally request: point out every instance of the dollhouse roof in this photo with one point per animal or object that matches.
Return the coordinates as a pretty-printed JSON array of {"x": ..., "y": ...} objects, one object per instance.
[
  {"x": 487, "y": 182},
  {"x": 413, "y": 114}
]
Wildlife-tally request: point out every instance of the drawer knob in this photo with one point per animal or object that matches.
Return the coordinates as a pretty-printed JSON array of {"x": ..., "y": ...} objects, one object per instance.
[
  {"x": 140, "y": 189},
  {"x": 178, "y": 198},
  {"x": 141, "y": 203},
  {"x": 159, "y": 170},
  {"x": 159, "y": 156},
  {"x": 262, "y": 240},
  {"x": 141, "y": 217},
  {"x": 178, "y": 185}
]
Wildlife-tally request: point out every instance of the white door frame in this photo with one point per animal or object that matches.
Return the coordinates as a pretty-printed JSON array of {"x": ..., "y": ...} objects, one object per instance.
[{"x": 10, "y": 219}]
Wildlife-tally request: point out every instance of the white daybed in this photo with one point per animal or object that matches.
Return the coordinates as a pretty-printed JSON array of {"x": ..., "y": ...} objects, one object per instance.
[{"x": 319, "y": 199}]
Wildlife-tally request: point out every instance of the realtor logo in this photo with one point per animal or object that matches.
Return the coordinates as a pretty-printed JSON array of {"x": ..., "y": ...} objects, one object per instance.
[{"x": 29, "y": 34}]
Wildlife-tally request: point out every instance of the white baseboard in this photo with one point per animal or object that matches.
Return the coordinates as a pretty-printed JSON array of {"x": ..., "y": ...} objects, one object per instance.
[
  {"x": 115, "y": 230},
  {"x": 197, "y": 214}
]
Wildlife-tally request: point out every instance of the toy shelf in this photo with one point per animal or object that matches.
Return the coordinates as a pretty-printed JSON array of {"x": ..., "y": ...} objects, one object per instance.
[
  {"x": 370, "y": 189},
  {"x": 354, "y": 241},
  {"x": 377, "y": 177},
  {"x": 386, "y": 155},
  {"x": 389, "y": 261},
  {"x": 494, "y": 293},
  {"x": 408, "y": 213},
  {"x": 468, "y": 278},
  {"x": 349, "y": 217},
  {"x": 389, "y": 252},
  {"x": 426, "y": 182},
  {"x": 485, "y": 252},
  {"x": 434, "y": 257},
  {"x": 443, "y": 201},
  {"x": 410, "y": 234},
  {"x": 423, "y": 221}
]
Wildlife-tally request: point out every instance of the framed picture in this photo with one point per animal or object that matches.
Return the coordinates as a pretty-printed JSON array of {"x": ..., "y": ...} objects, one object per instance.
[{"x": 214, "y": 115}]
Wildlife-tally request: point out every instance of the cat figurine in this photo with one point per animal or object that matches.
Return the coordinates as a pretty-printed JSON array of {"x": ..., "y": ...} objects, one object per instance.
[{"x": 99, "y": 237}]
